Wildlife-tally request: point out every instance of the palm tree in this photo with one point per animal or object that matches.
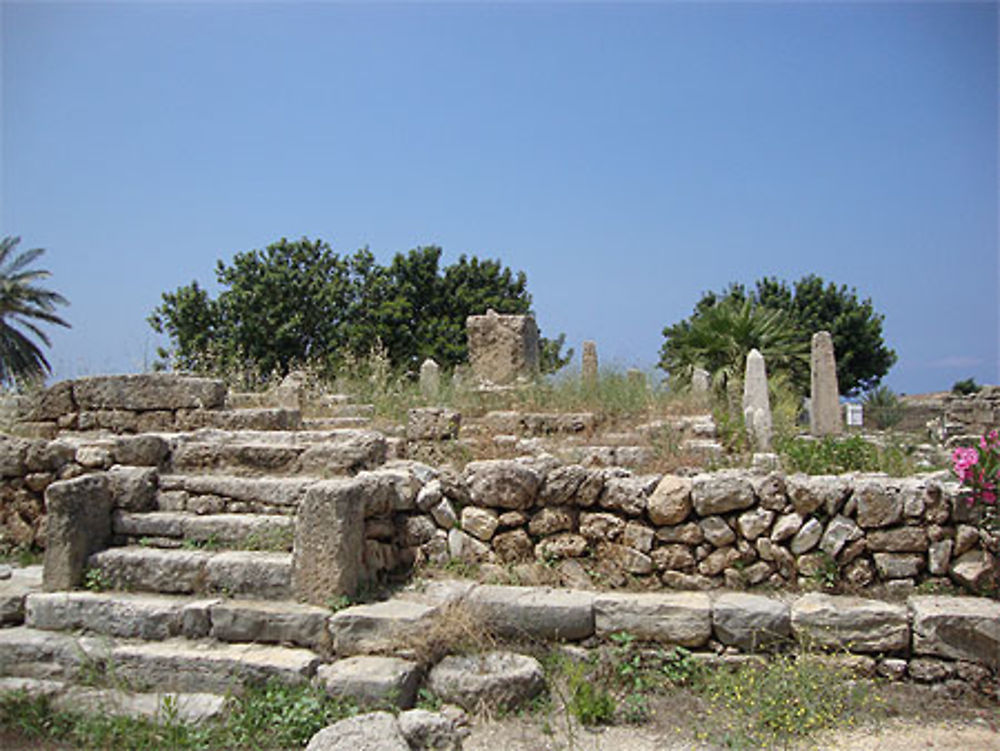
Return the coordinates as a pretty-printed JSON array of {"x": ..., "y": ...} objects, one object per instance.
[
  {"x": 22, "y": 304},
  {"x": 719, "y": 337}
]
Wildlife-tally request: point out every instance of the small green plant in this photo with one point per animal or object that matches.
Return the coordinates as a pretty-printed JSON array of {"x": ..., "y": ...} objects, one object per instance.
[
  {"x": 837, "y": 455},
  {"x": 427, "y": 699},
  {"x": 96, "y": 580},
  {"x": 21, "y": 555},
  {"x": 827, "y": 573},
  {"x": 210, "y": 542}
]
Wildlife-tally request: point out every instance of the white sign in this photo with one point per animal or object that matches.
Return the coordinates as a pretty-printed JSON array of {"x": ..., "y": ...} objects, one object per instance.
[{"x": 854, "y": 415}]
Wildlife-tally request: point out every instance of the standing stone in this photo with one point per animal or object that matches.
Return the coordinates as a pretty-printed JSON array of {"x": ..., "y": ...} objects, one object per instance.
[
  {"x": 589, "y": 364},
  {"x": 502, "y": 348},
  {"x": 430, "y": 379},
  {"x": 824, "y": 416},
  {"x": 79, "y": 523},
  {"x": 329, "y": 541},
  {"x": 701, "y": 381},
  {"x": 756, "y": 404}
]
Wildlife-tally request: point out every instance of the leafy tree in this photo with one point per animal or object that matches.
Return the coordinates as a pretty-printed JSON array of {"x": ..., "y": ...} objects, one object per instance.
[
  {"x": 811, "y": 306},
  {"x": 299, "y": 301},
  {"x": 22, "y": 304}
]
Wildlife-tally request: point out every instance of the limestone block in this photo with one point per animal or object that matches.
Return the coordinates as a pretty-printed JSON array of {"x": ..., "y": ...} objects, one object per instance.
[
  {"x": 807, "y": 537},
  {"x": 628, "y": 494},
  {"x": 378, "y": 627},
  {"x": 601, "y": 526},
  {"x": 717, "y": 531},
  {"x": 133, "y": 488},
  {"x": 552, "y": 519},
  {"x": 79, "y": 523},
  {"x": 371, "y": 680},
  {"x": 824, "y": 415},
  {"x": 811, "y": 492},
  {"x": 959, "y": 628},
  {"x": 492, "y": 679},
  {"x": 148, "y": 391},
  {"x": 898, "y": 540},
  {"x": 670, "y": 502},
  {"x": 432, "y": 424},
  {"x": 720, "y": 492},
  {"x": 673, "y": 558},
  {"x": 754, "y": 523},
  {"x": 502, "y": 483},
  {"x": 898, "y": 565},
  {"x": 479, "y": 522},
  {"x": 879, "y": 505},
  {"x": 503, "y": 348},
  {"x": 329, "y": 542},
  {"x": 674, "y": 618},
  {"x": 513, "y": 546},
  {"x": 851, "y": 623},
  {"x": 140, "y": 450},
  {"x": 562, "y": 545},
  {"x": 535, "y": 612},
  {"x": 750, "y": 621},
  {"x": 838, "y": 533},
  {"x": 375, "y": 731}
]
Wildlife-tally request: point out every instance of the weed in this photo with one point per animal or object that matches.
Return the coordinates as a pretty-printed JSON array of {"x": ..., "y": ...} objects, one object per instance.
[
  {"x": 274, "y": 539},
  {"x": 454, "y": 629},
  {"x": 827, "y": 574},
  {"x": 763, "y": 705},
  {"x": 427, "y": 699},
  {"x": 21, "y": 555},
  {"x": 96, "y": 580},
  {"x": 834, "y": 456}
]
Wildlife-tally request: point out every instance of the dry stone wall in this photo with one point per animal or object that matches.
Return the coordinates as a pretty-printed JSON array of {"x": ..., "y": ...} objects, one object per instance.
[{"x": 972, "y": 415}]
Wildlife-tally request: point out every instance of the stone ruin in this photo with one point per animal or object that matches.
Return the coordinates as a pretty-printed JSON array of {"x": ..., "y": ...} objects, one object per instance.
[
  {"x": 232, "y": 542},
  {"x": 503, "y": 349}
]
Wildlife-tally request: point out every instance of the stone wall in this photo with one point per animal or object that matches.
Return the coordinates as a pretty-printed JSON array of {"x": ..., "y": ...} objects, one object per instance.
[
  {"x": 972, "y": 415},
  {"x": 607, "y": 526},
  {"x": 149, "y": 402}
]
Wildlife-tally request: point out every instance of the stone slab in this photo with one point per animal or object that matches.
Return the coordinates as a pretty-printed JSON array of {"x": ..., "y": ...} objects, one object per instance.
[
  {"x": 751, "y": 621},
  {"x": 372, "y": 680},
  {"x": 851, "y": 623},
  {"x": 959, "y": 628},
  {"x": 269, "y": 622},
  {"x": 379, "y": 627},
  {"x": 535, "y": 612},
  {"x": 676, "y": 618}
]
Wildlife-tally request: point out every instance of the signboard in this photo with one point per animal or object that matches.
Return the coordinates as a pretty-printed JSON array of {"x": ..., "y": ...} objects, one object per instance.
[{"x": 854, "y": 416}]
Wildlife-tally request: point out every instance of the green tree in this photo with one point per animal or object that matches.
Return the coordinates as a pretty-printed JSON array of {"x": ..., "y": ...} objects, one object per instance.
[
  {"x": 300, "y": 301},
  {"x": 812, "y": 305},
  {"x": 23, "y": 304}
]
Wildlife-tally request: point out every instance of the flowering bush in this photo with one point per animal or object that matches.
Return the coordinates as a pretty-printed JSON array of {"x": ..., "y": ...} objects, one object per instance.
[{"x": 979, "y": 470}]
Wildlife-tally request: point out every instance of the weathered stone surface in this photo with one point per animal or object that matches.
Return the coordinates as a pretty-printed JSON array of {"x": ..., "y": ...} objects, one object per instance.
[
  {"x": 720, "y": 492},
  {"x": 371, "y": 680},
  {"x": 133, "y": 488},
  {"x": 674, "y": 618},
  {"x": 148, "y": 391},
  {"x": 879, "y": 505},
  {"x": 588, "y": 364},
  {"x": 638, "y": 536},
  {"x": 388, "y": 489},
  {"x": 899, "y": 540},
  {"x": 535, "y": 612},
  {"x": 513, "y": 546},
  {"x": 375, "y": 731},
  {"x": 561, "y": 485},
  {"x": 959, "y": 628},
  {"x": 809, "y": 493},
  {"x": 444, "y": 514},
  {"x": 756, "y": 403},
  {"x": 562, "y": 545},
  {"x": 939, "y": 557},
  {"x": 152, "y": 569},
  {"x": 343, "y": 451},
  {"x": 269, "y": 622},
  {"x": 437, "y": 731},
  {"x": 624, "y": 557},
  {"x": 966, "y": 537},
  {"x": 493, "y": 679},
  {"x": 976, "y": 569},
  {"x": 79, "y": 522},
  {"x": 502, "y": 483},
  {"x": 851, "y": 623},
  {"x": 187, "y": 707},
  {"x": 479, "y": 522},
  {"x": 754, "y": 523},
  {"x": 673, "y": 558},
  {"x": 898, "y": 565},
  {"x": 689, "y": 534},
  {"x": 270, "y": 491},
  {"x": 719, "y": 560},
  {"x": 838, "y": 533},
  {"x": 601, "y": 527},
  {"x": 552, "y": 519},
  {"x": 628, "y": 495},
  {"x": 824, "y": 414},
  {"x": 216, "y": 668},
  {"x": 432, "y": 424},
  {"x": 717, "y": 531},
  {"x": 502, "y": 348},
  {"x": 430, "y": 378},
  {"x": 140, "y": 450},
  {"x": 379, "y": 627},
  {"x": 670, "y": 502},
  {"x": 329, "y": 542},
  {"x": 465, "y": 547},
  {"x": 750, "y": 621},
  {"x": 807, "y": 537},
  {"x": 14, "y": 589},
  {"x": 114, "y": 614},
  {"x": 51, "y": 403},
  {"x": 13, "y": 452}
]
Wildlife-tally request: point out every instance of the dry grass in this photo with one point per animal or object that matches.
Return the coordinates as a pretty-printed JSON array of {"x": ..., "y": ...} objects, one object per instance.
[{"x": 456, "y": 628}]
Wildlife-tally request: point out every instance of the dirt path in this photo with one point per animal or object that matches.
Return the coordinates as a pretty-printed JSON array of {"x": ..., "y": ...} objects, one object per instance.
[{"x": 897, "y": 735}]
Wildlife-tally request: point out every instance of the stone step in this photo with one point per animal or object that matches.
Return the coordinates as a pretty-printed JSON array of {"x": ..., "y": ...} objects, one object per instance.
[
  {"x": 187, "y": 707},
  {"x": 243, "y": 452},
  {"x": 174, "y": 528},
  {"x": 245, "y": 573},
  {"x": 172, "y": 665},
  {"x": 257, "y": 418},
  {"x": 332, "y": 423},
  {"x": 13, "y": 590},
  {"x": 216, "y": 493},
  {"x": 158, "y": 617}
]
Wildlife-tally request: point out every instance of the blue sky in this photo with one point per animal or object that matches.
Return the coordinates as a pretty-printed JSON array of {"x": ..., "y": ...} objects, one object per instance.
[{"x": 627, "y": 157}]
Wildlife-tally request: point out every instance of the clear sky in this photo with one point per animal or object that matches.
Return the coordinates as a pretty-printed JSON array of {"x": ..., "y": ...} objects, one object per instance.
[{"x": 626, "y": 156}]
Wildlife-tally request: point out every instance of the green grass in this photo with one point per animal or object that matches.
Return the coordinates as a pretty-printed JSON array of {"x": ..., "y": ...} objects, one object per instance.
[{"x": 267, "y": 716}]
